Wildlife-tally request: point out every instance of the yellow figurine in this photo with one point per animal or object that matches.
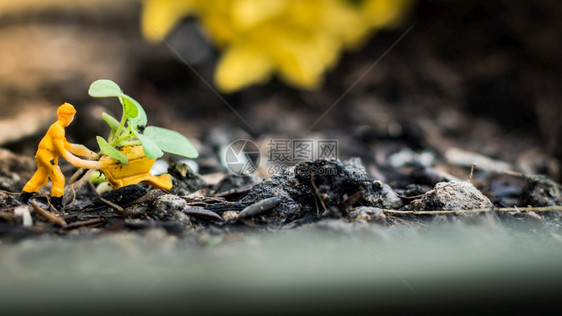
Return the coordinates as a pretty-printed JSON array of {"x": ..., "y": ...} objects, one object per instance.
[{"x": 52, "y": 146}]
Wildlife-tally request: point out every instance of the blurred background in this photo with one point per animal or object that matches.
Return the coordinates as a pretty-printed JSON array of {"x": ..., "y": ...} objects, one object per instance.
[{"x": 481, "y": 76}]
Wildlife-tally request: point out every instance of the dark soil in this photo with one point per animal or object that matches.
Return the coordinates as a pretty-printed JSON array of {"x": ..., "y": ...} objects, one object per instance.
[
  {"x": 471, "y": 83},
  {"x": 310, "y": 192}
]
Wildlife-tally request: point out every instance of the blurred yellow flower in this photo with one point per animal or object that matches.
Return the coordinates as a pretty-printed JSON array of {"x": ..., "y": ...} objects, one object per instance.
[{"x": 297, "y": 39}]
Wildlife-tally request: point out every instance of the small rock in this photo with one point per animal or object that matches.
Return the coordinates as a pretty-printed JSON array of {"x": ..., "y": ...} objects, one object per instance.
[
  {"x": 170, "y": 202},
  {"x": 169, "y": 207},
  {"x": 230, "y": 215},
  {"x": 540, "y": 191},
  {"x": 367, "y": 213},
  {"x": 459, "y": 195},
  {"x": 377, "y": 194}
]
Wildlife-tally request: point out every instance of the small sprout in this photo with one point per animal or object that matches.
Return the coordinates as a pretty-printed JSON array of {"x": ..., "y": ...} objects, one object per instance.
[
  {"x": 132, "y": 129},
  {"x": 97, "y": 177},
  {"x": 132, "y": 147}
]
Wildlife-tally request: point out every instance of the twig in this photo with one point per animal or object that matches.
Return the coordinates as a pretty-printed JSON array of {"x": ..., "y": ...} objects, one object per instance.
[
  {"x": 205, "y": 198},
  {"x": 78, "y": 183},
  {"x": 317, "y": 192},
  {"x": 9, "y": 193},
  {"x": 73, "y": 195},
  {"x": 48, "y": 198},
  {"x": 480, "y": 210},
  {"x": 196, "y": 203},
  {"x": 90, "y": 222},
  {"x": 471, "y": 172},
  {"x": 106, "y": 201},
  {"x": 47, "y": 215},
  {"x": 516, "y": 174},
  {"x": 112, "y": 205}
]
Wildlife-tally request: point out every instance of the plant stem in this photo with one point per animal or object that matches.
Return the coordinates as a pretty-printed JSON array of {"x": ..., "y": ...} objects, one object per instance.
[{"x": 115, "y": 140}]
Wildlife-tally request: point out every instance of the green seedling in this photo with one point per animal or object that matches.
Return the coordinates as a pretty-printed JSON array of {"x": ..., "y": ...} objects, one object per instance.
[{"x": 132, "y": 129}]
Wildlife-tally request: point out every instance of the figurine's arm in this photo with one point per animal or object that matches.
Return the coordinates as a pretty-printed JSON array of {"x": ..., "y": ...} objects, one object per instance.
[
  {"x": 81, "y": 150},
  {"x": 61, "y": 146},
  {"x": 77, "y": 162}
]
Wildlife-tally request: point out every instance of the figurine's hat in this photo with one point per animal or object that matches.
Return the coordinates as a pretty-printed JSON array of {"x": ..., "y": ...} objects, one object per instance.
[{"x": 67, "y": 109}]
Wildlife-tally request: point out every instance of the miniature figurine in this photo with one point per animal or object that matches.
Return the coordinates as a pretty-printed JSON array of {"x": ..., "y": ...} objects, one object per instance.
[{"x": 52, "y": 146}]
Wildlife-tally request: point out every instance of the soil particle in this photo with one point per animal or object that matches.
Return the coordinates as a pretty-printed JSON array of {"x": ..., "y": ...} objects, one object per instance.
[
  {"x": 332, "y": 181},
  {"x": 413, "y": 190},
  {"x": 8, "y": 201},
  {"x": 169, "y": 207},
  {"x": 123, "y": 196},
  {"x": 540, "y": 191},
  {"x": 295, "y": 198},
  {"x": 184, "y": 179},
  {"x": 322, "y": 188},
  {"x": 337, "y": 181},
  {"x": 458, "y": 195},
  {"x": 367, "y": 213},
  {"x": 14, "y": 170},
  {"x": 378, "y": 194}
]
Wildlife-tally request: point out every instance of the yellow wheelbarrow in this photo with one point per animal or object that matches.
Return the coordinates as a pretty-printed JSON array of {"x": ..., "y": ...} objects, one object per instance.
[{"x": 137, "y": 170}]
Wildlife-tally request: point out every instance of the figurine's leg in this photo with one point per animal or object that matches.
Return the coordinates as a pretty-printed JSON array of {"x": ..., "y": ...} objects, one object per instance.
[
  {"x": 57, "y": 203},
  {"x": 38, "y": 180},
  {"x": 57, "y": 189},
  {"x": 24, "y": 197}
]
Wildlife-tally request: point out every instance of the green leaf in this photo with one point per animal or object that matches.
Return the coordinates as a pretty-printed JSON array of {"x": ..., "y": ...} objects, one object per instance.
[
  {"x": 140, "y": 119},
  {"x": 108, "y": 150},
  {"x": 171, "y": 141},
  {"x": 151, "y": 149},
  {"x": 104, "y": 88},
  {"x": 131, "y": 107},
  {"x": 111, "y": 121}
]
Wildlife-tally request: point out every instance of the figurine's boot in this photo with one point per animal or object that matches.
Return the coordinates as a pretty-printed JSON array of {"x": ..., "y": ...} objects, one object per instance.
[
  {"x": 24, "y": 196},
  {"x": 57, "y": 203}
]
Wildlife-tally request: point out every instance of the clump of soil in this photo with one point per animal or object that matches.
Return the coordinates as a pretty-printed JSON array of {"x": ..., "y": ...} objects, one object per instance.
[
  {"x": 459, "y": 195},
  {"x": 322, "y": 188},
  {"x": 540, "y": 191},
  {"x": 184, "y": 179}
]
